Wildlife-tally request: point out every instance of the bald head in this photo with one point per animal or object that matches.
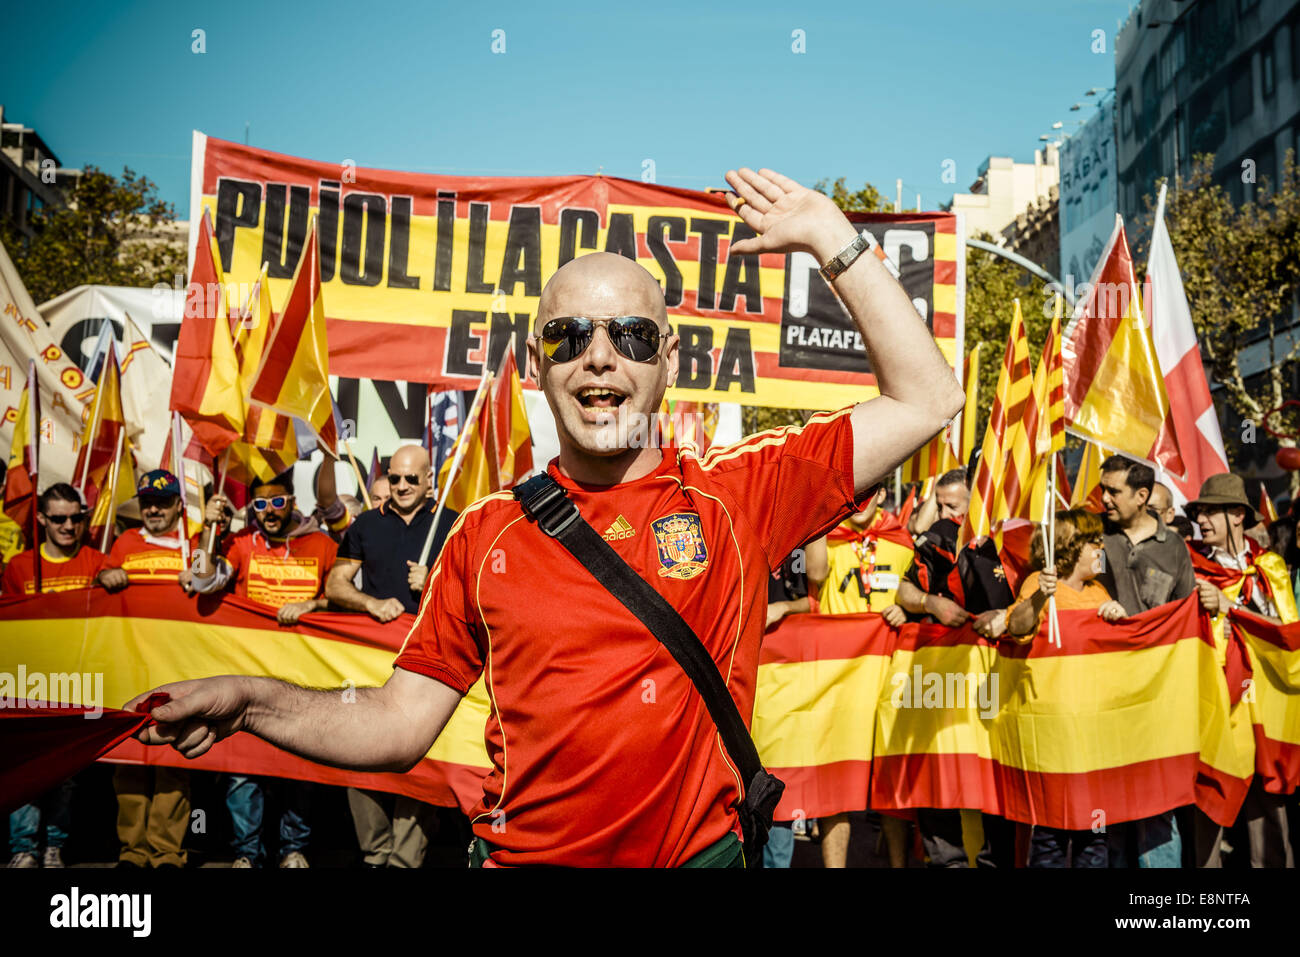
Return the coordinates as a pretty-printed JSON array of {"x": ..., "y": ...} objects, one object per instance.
[
  {"x": 599, "y": 285},
  {"x": 410, "y": 459},
  {"x": 409, "y": 479},
  {"x": 1162, "y": 502}
]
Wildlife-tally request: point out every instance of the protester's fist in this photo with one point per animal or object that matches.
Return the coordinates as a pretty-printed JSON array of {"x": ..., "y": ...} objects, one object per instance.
[
  {"x": 785, "y": 216},
  {"x": 385, "y": 610},
  {"x": 1047, "y": 582},
  {"x": 895, "y": 616},
  {"x": 946, "y": 611},
  {"x": 1112, "y": 611},
  {"x": 290, "y": 613},
  {"x": 415, "y": 575},
  {"x": 991, "y": 624},
  {"x": 113, "y": 579},
  {"x": 1212, "y": 600},
  {"x": 186, "y": 580},
  {"x": 217, "y": 510},
  {"x": 199, "y": 714}
]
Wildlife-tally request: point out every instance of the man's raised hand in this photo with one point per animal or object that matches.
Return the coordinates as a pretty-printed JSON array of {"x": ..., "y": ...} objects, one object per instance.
[
  {"x": 786, "y": 216},
  {"x": 199, "y": 714}
]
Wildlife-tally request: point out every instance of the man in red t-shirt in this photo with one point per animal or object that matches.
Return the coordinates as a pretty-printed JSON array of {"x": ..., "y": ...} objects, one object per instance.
[
  {"x": 66, "y": 563},
  {"x": 603, "y": 752},
  {"x": 154, "y": 553}
]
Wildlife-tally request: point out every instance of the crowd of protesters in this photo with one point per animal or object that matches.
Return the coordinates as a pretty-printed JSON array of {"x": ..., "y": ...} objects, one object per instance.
[
  {"x": 1138, "y": 553},
  {"x": 339, "y": 557}
]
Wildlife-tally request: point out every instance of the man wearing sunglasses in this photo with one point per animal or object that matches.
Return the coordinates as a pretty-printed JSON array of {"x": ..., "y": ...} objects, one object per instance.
[
  {"x": 385, "y": 544},
  {"x": 279, "y": 559},
  {"x": 151, "y": 553},
  {"x": 603, "y": 752},
  {"x": 66, "y": 563}
]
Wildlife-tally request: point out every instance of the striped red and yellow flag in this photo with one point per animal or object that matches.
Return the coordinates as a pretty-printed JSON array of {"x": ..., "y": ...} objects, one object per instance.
[
  {"x": 269, "y": 444},
  {"x": 205, "y": 376},
  {"x": 106, "y": 443},
  {"x": 293, "y": 373},
  {"x": 1044, "y": 424},
  {"x": 1274, "y": 706},
  {"x": 1266, "y": 506},
  {"x": 1086, "y": 492},
  {"x": 988, "y": 502},
  {"x": 151, "y": 634},
  {"x": 1114, "y": 389},
  {"x": 24, "y": 465}
]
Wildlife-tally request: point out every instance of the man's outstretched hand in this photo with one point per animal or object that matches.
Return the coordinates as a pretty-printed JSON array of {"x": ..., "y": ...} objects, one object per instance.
[
  {"x": 199, "y": 714},
  {"x": 787, "y": 217}
]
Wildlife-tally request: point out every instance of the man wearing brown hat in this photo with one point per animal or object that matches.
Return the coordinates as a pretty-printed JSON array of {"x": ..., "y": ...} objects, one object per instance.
[{"x": 1233, "y": 571}]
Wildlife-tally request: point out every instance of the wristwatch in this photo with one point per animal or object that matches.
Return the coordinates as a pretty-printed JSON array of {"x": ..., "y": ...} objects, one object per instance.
[{"x": 846, "y": 256}]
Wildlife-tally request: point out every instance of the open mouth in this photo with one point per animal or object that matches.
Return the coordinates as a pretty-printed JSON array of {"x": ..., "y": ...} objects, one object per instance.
[{"x": 597, "y": 397}]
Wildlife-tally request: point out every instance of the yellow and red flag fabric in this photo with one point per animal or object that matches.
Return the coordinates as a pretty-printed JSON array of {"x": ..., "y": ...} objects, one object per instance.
[
  {"x": 1266, "y": 506},
  {"x": 952, "y": 447},
  {"x": 106, "y": 465},
  {"x": 24, "y": 464},
  {"x": 292, "y": 376},
  {"x": 152, "y": 634},
  {"x": 1273, "y": 704},
  {"x": 269, "y": 444},
  {"x": 205, "y": 372},
  {"x": 1044, "y": 425},
  {"x": 1114, "y": 389},
  {"x": 1086, "y": 492},
  {"x": 996, "y": 471}
]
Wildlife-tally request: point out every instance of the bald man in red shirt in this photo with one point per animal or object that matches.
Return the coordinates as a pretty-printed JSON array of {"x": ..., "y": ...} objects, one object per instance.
[{"x": 603, "y": 752}]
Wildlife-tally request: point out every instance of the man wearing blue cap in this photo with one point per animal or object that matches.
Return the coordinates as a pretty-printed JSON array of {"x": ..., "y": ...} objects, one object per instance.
[
  {"x": 154, "y": 553},
  {"x": 153, "y": 803}
]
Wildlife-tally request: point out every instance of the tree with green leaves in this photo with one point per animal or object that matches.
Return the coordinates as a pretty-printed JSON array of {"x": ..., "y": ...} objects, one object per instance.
[
  {"x": 1241, "y": 271},
  {"x": 866, "y": 200},
  {"x": 108, "y": 233}
]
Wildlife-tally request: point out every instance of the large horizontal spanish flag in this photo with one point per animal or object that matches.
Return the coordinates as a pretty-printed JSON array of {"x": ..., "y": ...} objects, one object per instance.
[{"x": 148, "y": 635}]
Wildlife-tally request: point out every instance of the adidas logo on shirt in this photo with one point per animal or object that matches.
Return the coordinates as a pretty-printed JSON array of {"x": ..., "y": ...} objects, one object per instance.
[{"x": 620, "y": 529}]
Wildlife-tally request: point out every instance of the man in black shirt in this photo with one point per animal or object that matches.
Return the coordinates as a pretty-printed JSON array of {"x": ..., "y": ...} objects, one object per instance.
[{"x": 384, "y": 544}]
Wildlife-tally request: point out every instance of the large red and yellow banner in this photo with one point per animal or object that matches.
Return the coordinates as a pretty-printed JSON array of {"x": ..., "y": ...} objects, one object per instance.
[
  {"x": 149, "y": 635},
  {"x": 428, "y": 278},
  {"x": 1122, "y": 722}
]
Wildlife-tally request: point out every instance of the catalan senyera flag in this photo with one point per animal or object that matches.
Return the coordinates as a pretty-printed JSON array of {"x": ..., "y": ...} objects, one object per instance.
[
  {"x": 293, "y": 375},
  {"x": 1047, "y": 425},
  {"x": 1014, "y": 392},
  {"x": 1114, "y": 389},
  {"x": 269, "y": 444},
  {"x": 152, "y": 634},
  {"x": 205, "y": 372},
  {"x": 24, "y": 459}
]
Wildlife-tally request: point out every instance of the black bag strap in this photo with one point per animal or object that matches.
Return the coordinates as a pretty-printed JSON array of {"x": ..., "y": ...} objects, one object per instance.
[{"x": 546, "y": 501}]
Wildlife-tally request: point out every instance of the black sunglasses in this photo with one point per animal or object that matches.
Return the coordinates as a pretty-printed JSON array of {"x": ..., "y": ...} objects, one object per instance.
[
  {"x": 568, "y": 337},
  {"x": 73, "y": 519},
  {"x": 394, "y": 478}
]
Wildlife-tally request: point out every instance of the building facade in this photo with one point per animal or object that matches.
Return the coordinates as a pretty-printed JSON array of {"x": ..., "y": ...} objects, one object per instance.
[{"x": 31, "y": 176}]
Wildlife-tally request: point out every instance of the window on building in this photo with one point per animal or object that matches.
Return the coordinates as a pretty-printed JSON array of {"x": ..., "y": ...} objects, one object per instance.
[
  {"x": 1126, "y": 113},
  {"x": 1241, "y": 100},
  {"x": 1267, "y": 70}
]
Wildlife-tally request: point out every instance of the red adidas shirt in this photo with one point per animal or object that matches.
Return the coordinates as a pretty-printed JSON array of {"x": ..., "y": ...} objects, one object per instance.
[
  {"x": 277, "y": 573},
  {"x": 57, "y": 574},
  {"x": 148, "y": 558},
  {"x": 603, "y": 752}
]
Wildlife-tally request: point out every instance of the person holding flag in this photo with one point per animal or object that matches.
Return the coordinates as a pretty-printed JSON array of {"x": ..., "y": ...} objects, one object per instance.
[
  {"x": 614, "y": 757},
  {"x": 159, "y": 551}
]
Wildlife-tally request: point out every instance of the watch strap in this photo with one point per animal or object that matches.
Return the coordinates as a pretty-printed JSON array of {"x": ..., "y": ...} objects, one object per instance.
[{"x": 846, "y": 256}]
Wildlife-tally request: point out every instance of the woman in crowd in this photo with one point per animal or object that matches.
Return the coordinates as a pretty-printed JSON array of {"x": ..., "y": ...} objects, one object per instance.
[{"x": 1078, "y": 549}]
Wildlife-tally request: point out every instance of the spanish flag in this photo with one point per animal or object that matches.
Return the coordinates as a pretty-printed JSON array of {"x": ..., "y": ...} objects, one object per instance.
[
  {"x": 293, "y": 373},
  {"x": 105, "y": 463},
  {"x": 1087, "y": 481},
  {"x": 498, "y": 443},
  {"x": 1044, "y": 432},
  {"x": 988, "y": 502},
  {"x": 205, "y": 378},
  {"x": 269, "y": 444},
  {"x": 1114, "y": 389}
]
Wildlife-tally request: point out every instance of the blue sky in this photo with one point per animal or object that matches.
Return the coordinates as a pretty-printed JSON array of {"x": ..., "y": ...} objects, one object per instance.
[{"x": 884, "y": 90}]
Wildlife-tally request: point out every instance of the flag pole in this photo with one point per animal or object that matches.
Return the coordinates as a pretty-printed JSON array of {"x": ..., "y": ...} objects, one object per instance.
[
  {"x": 34, "y": 436},
  {"x": 90, "y": 444},
  {"x": 178, "y": 463},
  {"x": 1049, "y": 543},
  {"x": 470, "y": 421},
  {"x": 112, "y": 493},
  {"x": 221, "y": 484},
  {"x": 361, "y": 484}
]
